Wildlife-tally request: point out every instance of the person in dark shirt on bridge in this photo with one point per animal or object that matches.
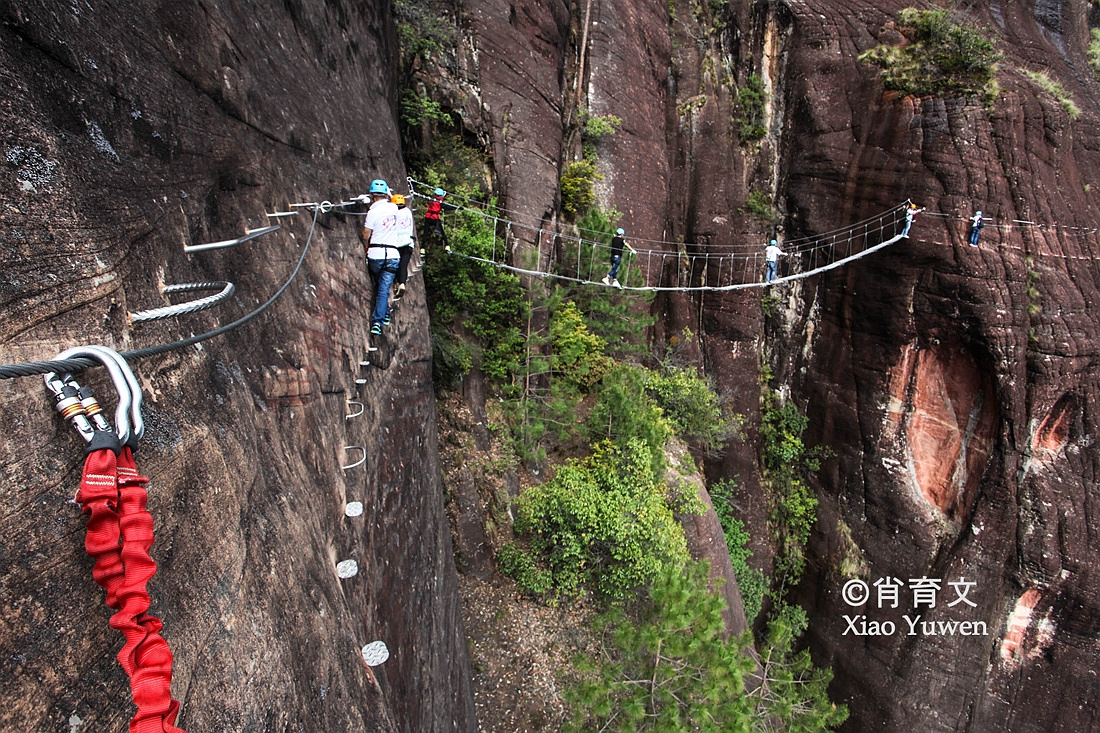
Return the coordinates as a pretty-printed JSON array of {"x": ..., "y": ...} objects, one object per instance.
[{"x": 617, "y": 244}]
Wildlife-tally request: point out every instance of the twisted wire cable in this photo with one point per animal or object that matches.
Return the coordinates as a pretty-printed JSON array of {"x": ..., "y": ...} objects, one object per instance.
[
  {"x": 191, "y": 306},
  {"x": 29, "y": 369}
]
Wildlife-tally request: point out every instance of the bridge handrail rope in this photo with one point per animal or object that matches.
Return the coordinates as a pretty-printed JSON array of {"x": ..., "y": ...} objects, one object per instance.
[
  {"x": 705, "y": 269},
  {"x": 748, "y": 247}
]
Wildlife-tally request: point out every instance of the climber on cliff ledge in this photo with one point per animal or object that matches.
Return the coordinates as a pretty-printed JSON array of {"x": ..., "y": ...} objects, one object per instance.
[
  {"x": 911, "y": 212},
  {"x": 975, "y": 228},
  {"x": 617, "y": 244},
  {"x": 772, "y": 254},
  {"x": 379, "y": 236}
]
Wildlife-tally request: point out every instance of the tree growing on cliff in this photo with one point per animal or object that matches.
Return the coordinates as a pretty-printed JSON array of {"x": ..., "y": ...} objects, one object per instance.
[
  {"x": 605, "y": 524},
  {"x": 751, "y": 99},
  {"x": 946, "y": 56},
  {"x": 577, "y": 181},
  {"x": 670, "y": 667}
]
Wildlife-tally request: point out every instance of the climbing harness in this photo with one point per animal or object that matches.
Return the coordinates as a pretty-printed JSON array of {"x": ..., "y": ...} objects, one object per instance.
[{"x": 120, "y": 531}]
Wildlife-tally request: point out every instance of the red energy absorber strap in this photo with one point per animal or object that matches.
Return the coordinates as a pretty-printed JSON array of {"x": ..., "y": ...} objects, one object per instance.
[{"x": 120, "y": 532}]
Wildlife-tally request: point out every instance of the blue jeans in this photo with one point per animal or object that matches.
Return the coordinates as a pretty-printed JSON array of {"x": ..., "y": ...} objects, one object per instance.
[
  {"x": 772, "y": 264},
  {"x": 616, "y": 260},
  {"x": 382, "y": 272}
]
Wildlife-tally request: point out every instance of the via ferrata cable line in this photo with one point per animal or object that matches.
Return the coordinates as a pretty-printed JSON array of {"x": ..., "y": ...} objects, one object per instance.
[{"x": 820, "y": 254}]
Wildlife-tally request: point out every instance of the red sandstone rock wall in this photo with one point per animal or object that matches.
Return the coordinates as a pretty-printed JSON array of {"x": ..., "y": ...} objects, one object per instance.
[
  {"x": 129, "y": 130},
  {"x": 953, "y": 383}
]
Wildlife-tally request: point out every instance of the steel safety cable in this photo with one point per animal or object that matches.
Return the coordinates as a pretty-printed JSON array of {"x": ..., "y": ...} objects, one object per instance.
[{"x": 29, "y": 369}]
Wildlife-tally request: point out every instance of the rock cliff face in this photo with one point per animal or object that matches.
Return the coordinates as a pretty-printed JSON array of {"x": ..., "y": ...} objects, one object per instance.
[
  {"x": 129, "y": 131},
  {"x": 952, "y": 383}
]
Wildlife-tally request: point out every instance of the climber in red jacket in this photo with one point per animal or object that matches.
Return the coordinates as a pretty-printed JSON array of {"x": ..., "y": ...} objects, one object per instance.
[{"x": 434, "y": 215}]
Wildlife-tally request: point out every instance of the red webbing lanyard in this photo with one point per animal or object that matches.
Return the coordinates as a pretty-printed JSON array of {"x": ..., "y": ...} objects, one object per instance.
[{"x": 120, "y": 532}]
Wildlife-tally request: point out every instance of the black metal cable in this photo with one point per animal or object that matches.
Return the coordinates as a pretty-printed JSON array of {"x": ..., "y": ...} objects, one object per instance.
[{"x": 30, "y": 369}]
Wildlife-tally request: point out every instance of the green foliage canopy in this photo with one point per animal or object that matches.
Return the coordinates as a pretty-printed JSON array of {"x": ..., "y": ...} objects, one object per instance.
[
  {"x": 602, "y": 523},
  {"x": 670, "y": 668}
]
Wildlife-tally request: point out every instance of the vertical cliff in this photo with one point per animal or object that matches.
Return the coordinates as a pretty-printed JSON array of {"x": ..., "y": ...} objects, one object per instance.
[
  {"x": 952, "y": 383},
  {"x": 130, "y": 130}
]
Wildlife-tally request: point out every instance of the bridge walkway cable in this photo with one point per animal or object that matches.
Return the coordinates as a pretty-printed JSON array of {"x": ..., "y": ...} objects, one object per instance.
[{"x": 672, "y": 266}]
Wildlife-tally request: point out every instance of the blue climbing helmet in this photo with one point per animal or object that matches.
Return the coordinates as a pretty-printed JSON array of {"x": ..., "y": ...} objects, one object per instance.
[
  {"x": 379, "y": 186},
  {"x": 774, "y": 242},
  {"x": 620, "y": 231},
  {"x": 439, "y": 192}
]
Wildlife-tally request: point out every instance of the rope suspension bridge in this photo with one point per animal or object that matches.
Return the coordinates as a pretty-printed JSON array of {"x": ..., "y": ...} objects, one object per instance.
[{"x": 664, "y": 266}]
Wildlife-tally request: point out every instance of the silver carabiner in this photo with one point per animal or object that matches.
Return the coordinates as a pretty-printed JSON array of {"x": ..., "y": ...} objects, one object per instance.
[
  {"x": 137, "y": 424},
  {"x": 122, "y": 386}
]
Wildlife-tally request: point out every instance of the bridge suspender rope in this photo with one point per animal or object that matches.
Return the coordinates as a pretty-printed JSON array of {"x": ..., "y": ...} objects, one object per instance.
[{"x": 715, "y": 267}]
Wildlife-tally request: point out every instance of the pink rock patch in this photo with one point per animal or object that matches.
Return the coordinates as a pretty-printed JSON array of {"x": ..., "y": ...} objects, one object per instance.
[{"x": 946, "y": 407}]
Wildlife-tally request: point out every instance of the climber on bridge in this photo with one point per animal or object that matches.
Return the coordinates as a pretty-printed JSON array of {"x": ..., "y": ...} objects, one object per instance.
[
  {"x": 772, "y": 255},
  {"x": 976, "y": 228},
  {"x": 617, "y": 244},
  {"x": 911, "y": 212},
  {"x": 379, "y": 236},
  {"x": 434, "y": 215},
  {"x": 406, "y": 234}
]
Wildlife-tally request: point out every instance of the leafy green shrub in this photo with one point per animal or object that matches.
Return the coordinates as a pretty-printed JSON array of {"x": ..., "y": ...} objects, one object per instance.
[
  {"x": 1056, "y": 90},
  {"x": 750, "y": 110},
  {"x": 416, "y": 109},
  {"x": 624, "y": 412},
  {"x": 946, "y": 56},
  {"x": 577, "y": 354},
  {"x": 691, "y": 406},
  {"x": 518, "y": 565},
  {"x": 792, "y": 508},
  {"x": 671, "y": 669},
  {"x": 597, "y": 127},
  {"x": 577, "y": 181},
  {"x": 752, "y": 584},
  {"x": 601, "y": 523},
  {"x": 758, "y": 205}
]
